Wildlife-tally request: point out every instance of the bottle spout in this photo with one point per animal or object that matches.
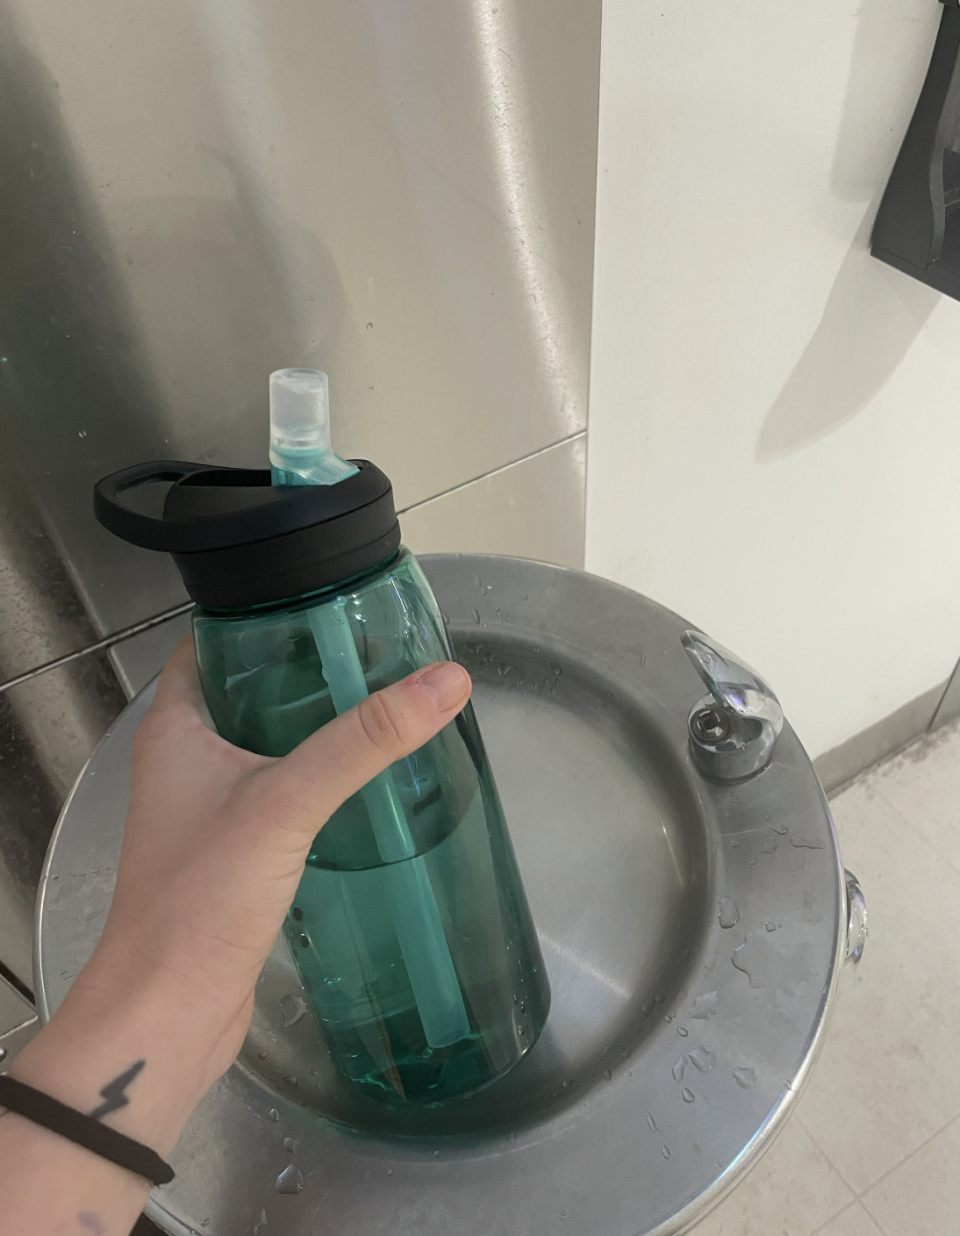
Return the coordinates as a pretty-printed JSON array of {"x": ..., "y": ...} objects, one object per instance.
[{"x": 300, "y": 449}]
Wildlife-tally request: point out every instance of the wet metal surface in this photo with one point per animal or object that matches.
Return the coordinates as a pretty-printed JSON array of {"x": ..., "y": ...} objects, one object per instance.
[{"x": 693, "y": 933}]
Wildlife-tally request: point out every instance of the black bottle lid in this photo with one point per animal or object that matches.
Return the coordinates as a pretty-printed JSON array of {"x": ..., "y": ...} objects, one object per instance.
[{"x": 239, "y": 541}]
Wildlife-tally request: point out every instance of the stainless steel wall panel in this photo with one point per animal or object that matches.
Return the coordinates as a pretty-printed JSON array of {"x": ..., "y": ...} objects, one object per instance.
[
  {"x": 401, "y": 193},
  {"x": 49, "y": 726},
  {"x": 196, "y": 192},
  {"x": 41, "y": 614},
  {"x": 530, "y": 509}
]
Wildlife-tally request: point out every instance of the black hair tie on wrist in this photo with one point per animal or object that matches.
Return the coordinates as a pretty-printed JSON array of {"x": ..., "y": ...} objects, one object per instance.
[{"x": 84, "y": 1131}]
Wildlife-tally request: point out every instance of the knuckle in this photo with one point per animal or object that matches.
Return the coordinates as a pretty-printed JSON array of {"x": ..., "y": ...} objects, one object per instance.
[{"x": 381, "y": 722}]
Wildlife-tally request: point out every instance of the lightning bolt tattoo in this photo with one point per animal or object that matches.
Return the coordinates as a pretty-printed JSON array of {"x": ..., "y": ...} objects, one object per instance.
[{"x": 113, "y": 1092}]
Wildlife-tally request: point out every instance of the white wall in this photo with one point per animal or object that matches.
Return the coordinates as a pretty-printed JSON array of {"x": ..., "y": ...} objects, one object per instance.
[{"x": 774, "y": 442}]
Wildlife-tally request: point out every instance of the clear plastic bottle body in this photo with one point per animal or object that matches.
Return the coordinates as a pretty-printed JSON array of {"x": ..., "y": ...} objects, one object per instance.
[{"x": 371, "y": 914}]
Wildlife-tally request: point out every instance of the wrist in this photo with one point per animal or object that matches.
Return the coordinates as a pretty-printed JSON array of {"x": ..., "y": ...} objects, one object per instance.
[{"x": 125, "y": 1054}]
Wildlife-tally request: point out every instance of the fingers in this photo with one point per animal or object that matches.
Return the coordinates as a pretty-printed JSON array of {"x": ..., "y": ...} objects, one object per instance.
[
  {"x": 329, "y": 766},
  {"x": 178, "y": 697},
  {"x": 178, "y": 681}
]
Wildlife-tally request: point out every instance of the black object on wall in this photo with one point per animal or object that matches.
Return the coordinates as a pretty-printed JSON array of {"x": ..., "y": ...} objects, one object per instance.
[{"x": 918, "y": 225}]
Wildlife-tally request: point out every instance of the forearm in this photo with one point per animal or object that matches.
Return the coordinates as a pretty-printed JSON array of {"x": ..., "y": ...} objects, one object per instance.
[{"x": 128, "y": 1059}]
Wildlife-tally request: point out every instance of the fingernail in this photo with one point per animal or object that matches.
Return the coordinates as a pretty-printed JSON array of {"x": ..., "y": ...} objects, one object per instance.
[{"x": 447, "y": 684}]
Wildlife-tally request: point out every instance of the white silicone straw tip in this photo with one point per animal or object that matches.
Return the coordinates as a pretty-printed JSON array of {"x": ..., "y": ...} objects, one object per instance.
[{"x": 299, "y": 410}]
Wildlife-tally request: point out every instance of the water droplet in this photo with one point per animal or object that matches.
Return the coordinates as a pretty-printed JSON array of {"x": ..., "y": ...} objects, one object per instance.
[
  {"x": 669, "y": 1018},
  {"x": 291, "y": 1080},
  {"x": 476, "y": 615},
  {"x": 567, "y": 1083},
  {"x": 769, "y": 845},
  {"x": 678, "y": 1068},
  {"x": 389, "y": 1171},
  {"x": 682, "y": 1031},
  {"x": 293, "y": 1007},
  {"x": 436, "y": 1154},
  {"x": 766, "y": 815},
  {"x": 607, "y": 1073},
  {"x": 705, "y": 1006},
  {"x": 652, "y": 1123},
  {"x": 262, "y": 1055},
  {"x": 659, "y": 997},
  {"x": 304, "y": 940},
  {"x": 744, "y": 1077},
  {"x": 806, "y": 843},
  {"x": 556, "y": 669},
  {"x": 729, "y": 915},
  {"x": 735, "y": 841},
  {"x": 273, "y": 1115},
  {"x": 290, "y": 1144},
  {"x": 625, "y": 1055},
  {"x": 369, "y": 326},
  {"x": 687, "y": 1095},
  {"x": 770, "y": 926},
  {"x": 297, "y": 913},
  {"x": 290, "y": 1180},
  {"x": 665, "y": 1151},
  {"x": 780, "y": 829},
  {"x": 702, "y": 1059}
]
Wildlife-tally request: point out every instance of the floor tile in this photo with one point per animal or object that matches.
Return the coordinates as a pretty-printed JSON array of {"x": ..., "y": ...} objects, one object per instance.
[
  {"x": 923, "y": 784},
  {"x": 921, "y": 1195},
  {"x": 854, "y": 1221},
  {"x": 792, "y": 1191},
  {"x": 883, "y": 1085}
]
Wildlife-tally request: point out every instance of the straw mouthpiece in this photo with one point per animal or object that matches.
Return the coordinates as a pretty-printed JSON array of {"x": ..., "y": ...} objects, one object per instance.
[{"x": 299, "y": 410}]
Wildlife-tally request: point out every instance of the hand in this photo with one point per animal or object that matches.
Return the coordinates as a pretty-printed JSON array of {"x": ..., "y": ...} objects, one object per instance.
[{"x": 214, "y": 847}]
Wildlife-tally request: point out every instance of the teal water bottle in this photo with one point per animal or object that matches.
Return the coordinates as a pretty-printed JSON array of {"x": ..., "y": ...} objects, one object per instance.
[{"x": 410, "y": 928}]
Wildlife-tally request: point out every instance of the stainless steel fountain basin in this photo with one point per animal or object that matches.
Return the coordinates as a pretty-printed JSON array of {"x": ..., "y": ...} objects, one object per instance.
[{"x": 693, "y": 933}]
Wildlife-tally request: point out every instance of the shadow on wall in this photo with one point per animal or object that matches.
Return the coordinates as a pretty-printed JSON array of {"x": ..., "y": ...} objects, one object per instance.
[
  {"x": 873, "y": 314},
  {"x": 871, "y": 320}
]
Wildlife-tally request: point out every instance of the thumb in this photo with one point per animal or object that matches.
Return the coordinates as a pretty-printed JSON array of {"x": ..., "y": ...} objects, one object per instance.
[{"x": 312, "y": 781}]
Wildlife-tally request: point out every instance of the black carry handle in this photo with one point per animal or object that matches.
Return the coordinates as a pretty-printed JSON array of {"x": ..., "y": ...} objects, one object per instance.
[
  {"x": 210, "y": 507},
  {"x": 147, "y": 531}
]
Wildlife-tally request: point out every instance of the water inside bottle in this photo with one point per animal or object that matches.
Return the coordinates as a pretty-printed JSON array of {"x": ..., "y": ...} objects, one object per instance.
[{"x": 342, "y": 931}]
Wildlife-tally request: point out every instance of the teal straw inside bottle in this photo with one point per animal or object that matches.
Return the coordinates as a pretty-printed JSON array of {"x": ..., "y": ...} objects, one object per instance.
[{"x": 301, "y": 454}]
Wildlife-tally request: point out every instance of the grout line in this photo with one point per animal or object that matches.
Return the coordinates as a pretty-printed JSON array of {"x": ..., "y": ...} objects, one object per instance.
[
  {"x": 17, "y": 984},
  {"x": 107, "y": 642},
  {"x": 148, "y": 623},
  {"x": 921, "y": 837},
  {"x": 839, "y": 1215},
  {"x": 580, "y": 433},
  {"x": 831, "y": 1167},
  {"x": 906, "y": 1159}
]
